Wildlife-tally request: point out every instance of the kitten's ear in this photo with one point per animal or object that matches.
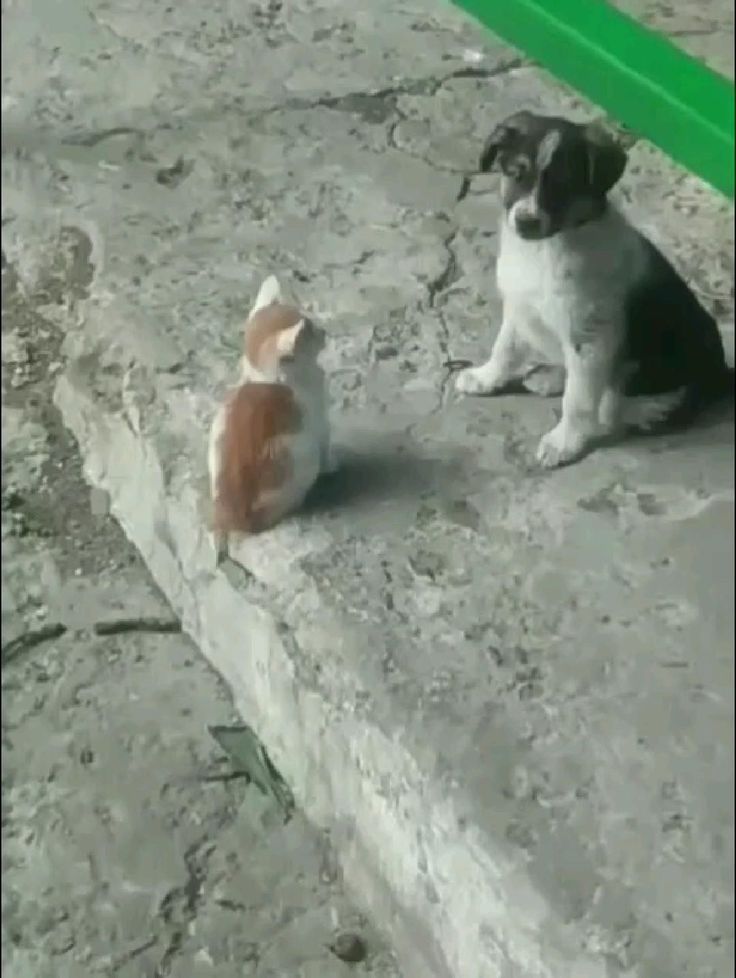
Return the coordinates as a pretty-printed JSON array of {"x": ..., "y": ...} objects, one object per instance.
[
  {"x": 288, "y": 338},
  {"x": 268, "y": 293}
]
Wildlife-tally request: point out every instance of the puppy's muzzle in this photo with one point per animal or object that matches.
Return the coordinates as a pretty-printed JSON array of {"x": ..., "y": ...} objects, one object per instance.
[{"x": 529, "y": 225}]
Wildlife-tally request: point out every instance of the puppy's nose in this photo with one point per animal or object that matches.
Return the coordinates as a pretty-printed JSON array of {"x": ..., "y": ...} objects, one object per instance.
[{"x": 528, "y": 224}]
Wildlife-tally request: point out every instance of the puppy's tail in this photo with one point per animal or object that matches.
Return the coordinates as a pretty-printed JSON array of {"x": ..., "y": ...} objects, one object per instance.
[{"x": 675, "y": 409}]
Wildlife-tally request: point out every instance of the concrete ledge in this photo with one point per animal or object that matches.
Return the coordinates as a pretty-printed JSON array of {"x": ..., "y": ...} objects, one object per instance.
[
  {"x": 459, "y": 790},
  {"x": 306, "y": 673}
]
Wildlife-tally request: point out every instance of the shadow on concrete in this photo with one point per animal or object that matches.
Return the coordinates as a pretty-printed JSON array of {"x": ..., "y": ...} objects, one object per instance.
[
  {"x": 375, "y": 475},
  {"x": 714, "y": 426}
]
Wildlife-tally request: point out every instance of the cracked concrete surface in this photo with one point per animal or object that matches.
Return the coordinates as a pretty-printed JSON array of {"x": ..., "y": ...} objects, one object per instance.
[
  {"x": 507, "y": 695},
  {"x": 704, "y": 31}
]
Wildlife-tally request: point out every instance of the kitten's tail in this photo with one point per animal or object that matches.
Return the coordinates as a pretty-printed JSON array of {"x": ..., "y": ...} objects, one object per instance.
[
  {"x": 654, "y": 414},
  {"x": 220, "y": 545},
  {"x": 216, "y": 529}
]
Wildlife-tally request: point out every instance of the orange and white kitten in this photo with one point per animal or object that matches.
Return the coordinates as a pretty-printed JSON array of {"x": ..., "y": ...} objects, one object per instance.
[{"x": 270, "y": 438}]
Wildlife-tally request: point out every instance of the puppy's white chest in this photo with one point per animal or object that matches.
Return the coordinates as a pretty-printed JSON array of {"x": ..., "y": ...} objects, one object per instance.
[
  {"x": 580, "y": 275},
  {"x": 537, "y": 274},
  {"x": 538, "y": 282}
]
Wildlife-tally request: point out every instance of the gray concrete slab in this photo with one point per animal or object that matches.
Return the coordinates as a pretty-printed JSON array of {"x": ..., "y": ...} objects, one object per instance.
[{"x": 507, "y": 694}]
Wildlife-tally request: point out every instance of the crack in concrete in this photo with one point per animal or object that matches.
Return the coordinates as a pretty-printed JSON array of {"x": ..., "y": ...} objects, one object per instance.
[
  {"x": 449, "y": 274},
  {"x": 30, "y": 640},
  {"x": 122, "y": 626},
  {"x": 94, "y": 138},
  {"x": 436, "y": 289},
  {"x": 359, "y": 101},
  {"x": 18, "y": 646},
  {"x": 181, "y": 904},
  {"x": 460, "y": 73},
  {"x": 235, "y": 905},
  {"x": 415, "y": 86},
  {"x": 132, "y": 954},
  {"x": 465, "y": 185}
]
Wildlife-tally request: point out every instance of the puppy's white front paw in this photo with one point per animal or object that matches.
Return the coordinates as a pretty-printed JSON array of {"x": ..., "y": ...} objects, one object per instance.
[
  {"x": 475, "y": 380},
  {"x": 560, "y": 446}
]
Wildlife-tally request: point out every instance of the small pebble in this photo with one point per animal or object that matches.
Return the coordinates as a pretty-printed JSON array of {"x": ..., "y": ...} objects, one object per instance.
[{"x": 349, "y": 947}]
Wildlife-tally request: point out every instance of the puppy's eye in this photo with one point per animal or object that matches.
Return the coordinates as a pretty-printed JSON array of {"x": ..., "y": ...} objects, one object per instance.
[{"x": 517, "y": 170}]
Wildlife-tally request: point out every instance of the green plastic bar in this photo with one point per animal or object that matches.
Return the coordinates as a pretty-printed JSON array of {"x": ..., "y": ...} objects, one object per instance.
[{"x": 635, "y": 74}]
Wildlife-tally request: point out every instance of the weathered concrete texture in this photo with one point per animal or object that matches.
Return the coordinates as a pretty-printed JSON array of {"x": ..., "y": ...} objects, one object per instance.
[
  {"x": 129, "y": 848},
  {"x": 507, "y": 694},
  {"x": 704, "y": 30}
]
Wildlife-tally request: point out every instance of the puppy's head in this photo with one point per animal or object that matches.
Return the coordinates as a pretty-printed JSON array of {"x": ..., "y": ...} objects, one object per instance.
[{"x": 555, "y": 173}]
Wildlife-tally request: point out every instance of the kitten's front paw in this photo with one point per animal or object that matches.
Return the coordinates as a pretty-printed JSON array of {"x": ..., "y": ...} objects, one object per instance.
[
  {"x": 476, "y": 380},
  {"x": 560, "y": 447}
]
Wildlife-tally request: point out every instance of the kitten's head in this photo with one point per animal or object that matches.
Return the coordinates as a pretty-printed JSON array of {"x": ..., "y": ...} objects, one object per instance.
[
  {"x": 555, "y": 173},
  {"x": 280, "y": 341}
]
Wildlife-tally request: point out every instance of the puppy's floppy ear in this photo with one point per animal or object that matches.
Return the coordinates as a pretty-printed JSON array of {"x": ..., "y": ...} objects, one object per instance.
[
  {"x": 502, "y": 135},
  {"x": 491, "y": 148},
  {"x": 606, "y": 159},
  {"x": 269, "y": 292}
]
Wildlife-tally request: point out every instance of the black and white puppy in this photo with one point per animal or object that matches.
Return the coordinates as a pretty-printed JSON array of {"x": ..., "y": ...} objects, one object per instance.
[{"x": 591, "y": 308}]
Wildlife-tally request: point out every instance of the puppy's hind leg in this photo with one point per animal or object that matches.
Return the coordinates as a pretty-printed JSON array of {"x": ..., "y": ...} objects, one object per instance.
[
  {"x": 545, "y": 380},
  {"x": 618, "y": 413}
]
